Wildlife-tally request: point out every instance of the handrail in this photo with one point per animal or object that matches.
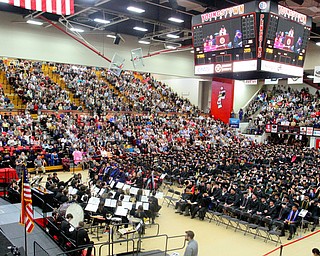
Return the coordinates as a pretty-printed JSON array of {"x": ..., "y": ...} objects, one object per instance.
[
  {"x": 34, "y": 248},
  {"x": 78, "y": 249},
  {"x": 178, "y": 248},
  {"x": 244, "y": 108},
  {"x": 115, "y": 242}
]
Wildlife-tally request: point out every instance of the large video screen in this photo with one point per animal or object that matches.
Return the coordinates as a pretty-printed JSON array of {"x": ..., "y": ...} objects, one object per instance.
[
  {"x": 289, "y": 36},
  {"x": 222, "y": 35}
]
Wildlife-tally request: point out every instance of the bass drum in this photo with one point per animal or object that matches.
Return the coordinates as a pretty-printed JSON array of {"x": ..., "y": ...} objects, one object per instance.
[{"x": 76, "y": 211}]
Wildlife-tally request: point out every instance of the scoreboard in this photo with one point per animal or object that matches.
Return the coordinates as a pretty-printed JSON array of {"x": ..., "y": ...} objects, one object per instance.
[{"x": 256, "y": 40}]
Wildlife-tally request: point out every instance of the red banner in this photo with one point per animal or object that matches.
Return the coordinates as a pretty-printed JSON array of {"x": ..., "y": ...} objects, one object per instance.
[
  {"x": 317, "y": 143},
  {"x": 222, "y": 99}
]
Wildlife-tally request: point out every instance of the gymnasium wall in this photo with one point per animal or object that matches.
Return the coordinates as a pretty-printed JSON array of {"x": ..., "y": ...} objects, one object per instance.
[
  {"x": 243, "y": 93},
  {"x": 312, "y": 58}
]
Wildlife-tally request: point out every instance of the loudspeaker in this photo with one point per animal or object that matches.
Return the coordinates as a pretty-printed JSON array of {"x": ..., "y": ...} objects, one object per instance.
[{"x": 117, "y": 40}]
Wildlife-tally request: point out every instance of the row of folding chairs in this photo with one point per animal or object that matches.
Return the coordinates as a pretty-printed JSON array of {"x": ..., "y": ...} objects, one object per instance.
[
  {"x": 171, "y": 197},
  {"x": 243, "y": 221}
]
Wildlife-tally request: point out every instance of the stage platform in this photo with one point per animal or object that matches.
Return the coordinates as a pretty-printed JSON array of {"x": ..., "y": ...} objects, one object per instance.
[{"x": 14, "y": 232}]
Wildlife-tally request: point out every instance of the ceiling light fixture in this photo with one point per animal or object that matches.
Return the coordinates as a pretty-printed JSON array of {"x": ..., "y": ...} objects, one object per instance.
[
  {"x": 192, "y": 51},
  {"x": 111, "y": 36},
  {"x": 318, "y": 43},
  {"x": 140, "y": 29},
  {"x": 176, "y": 20},
  {"x": 79, "y": 30},
  {"x": 143, "y": 42},
  {"x": 135, "y": 9},
  {"x": 173, "y": 36},
  {"x": 34, "y": 22},
  {"x": 101, "y": 21}
]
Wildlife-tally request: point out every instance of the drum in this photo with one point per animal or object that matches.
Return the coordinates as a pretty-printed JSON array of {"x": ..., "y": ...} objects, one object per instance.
[{"x": 76, "y": 211}]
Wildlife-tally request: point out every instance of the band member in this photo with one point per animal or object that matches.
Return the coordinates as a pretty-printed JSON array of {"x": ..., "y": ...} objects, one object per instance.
[
  {"x": 66, "y": 226},
  {"x": 82, "y": 238}
]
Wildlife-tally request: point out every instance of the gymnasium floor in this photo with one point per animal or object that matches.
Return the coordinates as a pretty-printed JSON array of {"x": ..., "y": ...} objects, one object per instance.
[{"x": 213, "y": 240}]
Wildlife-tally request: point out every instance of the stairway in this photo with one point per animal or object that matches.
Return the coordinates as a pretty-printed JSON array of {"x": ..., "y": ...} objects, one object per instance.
[
  {"x": 10, "y": 93},
  {"x": 141, "y": 78},
  {"x": 113, "y": 88},
  {"x": 48, "y": 71}
]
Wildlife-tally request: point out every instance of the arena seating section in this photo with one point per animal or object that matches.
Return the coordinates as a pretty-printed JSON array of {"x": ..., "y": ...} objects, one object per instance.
[{"x": 283, "y": 105}]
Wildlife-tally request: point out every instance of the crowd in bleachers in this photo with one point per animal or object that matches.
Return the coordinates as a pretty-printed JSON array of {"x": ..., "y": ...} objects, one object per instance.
[
  {"x": 284, "y": 106},
  {"x": 149, "y": 94},
  {"x": 5, "y": 102},
  {"x": 93, "y": 91},
  {"x": 35, "y": 89},
  {"x": 260, "y": 100}
]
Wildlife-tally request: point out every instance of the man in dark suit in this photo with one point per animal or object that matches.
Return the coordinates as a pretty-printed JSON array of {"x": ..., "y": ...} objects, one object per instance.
[
  {"x": 82, "y": 238},
  {"x": 272, "y": 211},
  {"x": 66, "y": 226}
]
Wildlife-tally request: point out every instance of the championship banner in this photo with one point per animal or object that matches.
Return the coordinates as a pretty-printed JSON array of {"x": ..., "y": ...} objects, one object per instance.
[
  {"x": 222, "y": 99},
  {"x": 317, "y": 143},
  {"x": 60, "y": 7}
]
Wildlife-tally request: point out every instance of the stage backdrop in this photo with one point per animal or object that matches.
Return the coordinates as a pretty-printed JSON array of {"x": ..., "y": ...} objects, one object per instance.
[{"x": 222, "y": 99}]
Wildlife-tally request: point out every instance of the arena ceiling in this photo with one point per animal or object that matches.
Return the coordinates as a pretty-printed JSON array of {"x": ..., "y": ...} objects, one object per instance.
[{"x": 153, "y": 24}]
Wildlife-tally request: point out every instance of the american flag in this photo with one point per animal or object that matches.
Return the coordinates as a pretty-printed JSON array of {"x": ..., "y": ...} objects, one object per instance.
[
  {"x": 60, "y": 7},
  {"x": 26, "y": 216}
]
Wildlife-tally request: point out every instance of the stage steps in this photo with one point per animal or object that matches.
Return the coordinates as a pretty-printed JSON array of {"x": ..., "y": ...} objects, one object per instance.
[{"x": 14, "y": 232}]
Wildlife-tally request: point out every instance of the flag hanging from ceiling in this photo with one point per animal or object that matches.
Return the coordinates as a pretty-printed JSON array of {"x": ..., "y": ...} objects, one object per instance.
[
  {"x": 60, "y": 7},
  {"x": 26, "y": 216}
]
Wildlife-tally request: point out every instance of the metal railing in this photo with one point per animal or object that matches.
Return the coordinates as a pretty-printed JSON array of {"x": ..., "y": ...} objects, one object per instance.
[
  {"x": 78, "y": 249},
  {"x": 38, "y": 250}
]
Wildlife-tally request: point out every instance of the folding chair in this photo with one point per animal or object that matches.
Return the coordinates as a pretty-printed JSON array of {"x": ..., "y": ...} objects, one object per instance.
[
  {"x": 304, "y": 225},
  {"x": 217, "y": 217},
  {"x": 240, "y": 222},
  {"x": 266, "y": 232},
  {"x": 175, "y": 198},
  {"x": 210, "y": 215},
  {"x": 276, "y": 233},
  {"x": 167, "y": 198}
]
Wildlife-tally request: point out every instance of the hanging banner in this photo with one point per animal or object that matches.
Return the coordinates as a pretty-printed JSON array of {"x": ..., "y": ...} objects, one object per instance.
[{"x": 222, "y": 99}]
